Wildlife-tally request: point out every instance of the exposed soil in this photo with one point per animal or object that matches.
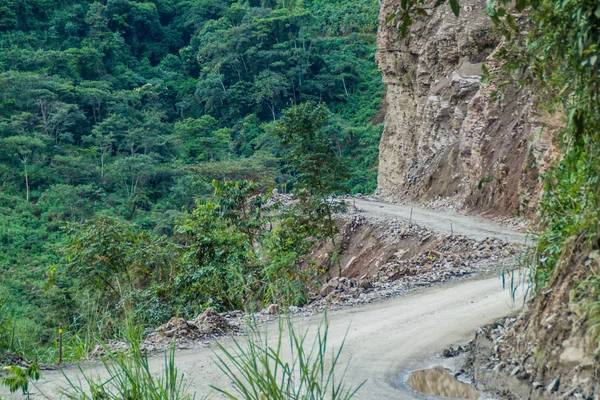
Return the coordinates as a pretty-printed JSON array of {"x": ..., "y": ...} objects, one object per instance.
[
  {"x": 383, "y": 256},
  {"x": 547, "y": 352},
  {"x": 446, "y": 135}
]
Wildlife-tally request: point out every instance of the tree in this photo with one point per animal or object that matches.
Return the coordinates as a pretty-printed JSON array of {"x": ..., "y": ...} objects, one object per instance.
[
  {"x": 141, "y": 104},
  {"x": 220, "y": 266},
  {"x": 132, "y": 174},
  {"x": 269, "y": 87},
  {"x": 200, "y": 139},
  {"x": 58, "y": 118},
  {"x": 95, "y": 95},
  {"x": 24, "y": 148},
  {"x": 112, "y": 259},
  {"x": 315, "y": 163},
  {"x": 104, "y": 138},
  {"x": 70, "y": 203}
]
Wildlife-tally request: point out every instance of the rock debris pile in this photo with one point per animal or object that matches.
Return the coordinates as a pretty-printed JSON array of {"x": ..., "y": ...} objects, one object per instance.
[
  {"x": 207, "y": 325},
  {"x": 382, "y": 257},
  {"x": 495, "y": 367}
]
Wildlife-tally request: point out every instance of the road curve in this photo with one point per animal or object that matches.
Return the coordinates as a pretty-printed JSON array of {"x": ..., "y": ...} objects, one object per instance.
[
  {"x": 440, "y": 221},
  {"x": 384, "y": 340}
]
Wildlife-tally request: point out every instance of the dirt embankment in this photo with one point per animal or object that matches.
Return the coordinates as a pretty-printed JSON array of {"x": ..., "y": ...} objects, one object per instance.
[
  {"x": 382, "y": 256},
  {"x": 549, "y": 351}
]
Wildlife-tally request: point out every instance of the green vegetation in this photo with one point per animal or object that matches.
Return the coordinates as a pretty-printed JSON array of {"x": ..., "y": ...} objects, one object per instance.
[
  {"x": 117, "y": 116},
  {"x": 20, "y": 378},
  {"x": 557, "y": 57},
  {"x": 259, "y": 370},
  {"x": 314, "y": 159},
  {"x": 256, "y": 368},
  {"x": 129, "y": 377},
  {"x": 553, "y": 48},
  {"x": 560, "y": 63}
]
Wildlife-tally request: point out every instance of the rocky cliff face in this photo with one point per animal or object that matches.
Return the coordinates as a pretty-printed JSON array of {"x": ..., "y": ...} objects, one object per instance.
[{"x": 445, "y": 136}]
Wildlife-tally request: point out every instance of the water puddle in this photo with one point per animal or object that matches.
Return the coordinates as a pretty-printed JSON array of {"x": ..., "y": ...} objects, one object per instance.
[{"x": 439, "y": 381}]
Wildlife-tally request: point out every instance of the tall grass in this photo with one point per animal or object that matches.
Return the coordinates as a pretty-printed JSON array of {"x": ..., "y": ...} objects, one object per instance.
[
  {"x": 5, "y": 328},
  {"x": 260, "y": 371},
  {"x": 130, "y": 377},
  {"x": 521, "y": 273}
]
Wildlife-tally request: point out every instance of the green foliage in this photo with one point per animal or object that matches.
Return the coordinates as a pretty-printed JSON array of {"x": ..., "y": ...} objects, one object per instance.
[
  {"x": 235, "y": 258},
  {"x": 261, "y": 370},
  {"x": 315, "y": 163},
  {"x": 562, "y": 45},
  {"x": 5, "y": 329},
  {"x": 234, "y": 251},
  {"x": 311, "y": 150},
  {"x": 128, "y": 110},
  {"x": 555, "y": 51},
  {"x": 113, "y": 259},
  {"x": 220, "y": 237},
  {"x": 130, "y": 378},
  {"x": 20, "y": 378}
]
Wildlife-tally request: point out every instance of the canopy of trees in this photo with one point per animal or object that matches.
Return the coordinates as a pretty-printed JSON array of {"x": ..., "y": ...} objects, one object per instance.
[{"x": 131, "y": 108}]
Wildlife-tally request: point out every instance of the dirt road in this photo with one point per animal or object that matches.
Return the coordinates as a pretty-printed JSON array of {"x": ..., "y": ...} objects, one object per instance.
[
  {"x": 440, "y": 221},
  {"x": 385, "y": 340}
]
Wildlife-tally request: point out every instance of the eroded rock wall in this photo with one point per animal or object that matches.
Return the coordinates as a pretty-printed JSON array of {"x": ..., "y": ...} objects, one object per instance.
[
  {"x": 445, "y": 136},
  {"x": 551, "y": 350}
]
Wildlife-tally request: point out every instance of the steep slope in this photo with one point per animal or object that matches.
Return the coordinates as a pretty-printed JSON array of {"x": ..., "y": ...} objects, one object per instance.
[
  {"x": 445, "y": 135},
  {"x": 548, "y": 352}
]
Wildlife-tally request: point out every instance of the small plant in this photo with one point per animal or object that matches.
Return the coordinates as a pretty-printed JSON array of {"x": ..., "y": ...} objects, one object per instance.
[
  {"x": 21, "y": 378},
  {"x": 129, "y": 377},
  {"x": 259, "y": 371},
  {"x": 518, "y": 273}
]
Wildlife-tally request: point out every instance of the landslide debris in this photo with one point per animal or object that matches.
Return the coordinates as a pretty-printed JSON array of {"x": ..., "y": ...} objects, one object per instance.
[
  {"x": 547, "y": 352},
  {"x": 208, "y": 325},
  {"x": 382, "y": 257}
]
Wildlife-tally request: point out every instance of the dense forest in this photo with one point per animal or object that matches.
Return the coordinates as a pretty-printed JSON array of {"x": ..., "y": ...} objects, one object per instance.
[{"x": 116, "y": 116}]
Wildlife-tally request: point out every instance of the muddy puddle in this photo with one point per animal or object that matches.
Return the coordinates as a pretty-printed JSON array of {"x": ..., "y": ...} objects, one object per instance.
[{"x": 439, "y": 381}]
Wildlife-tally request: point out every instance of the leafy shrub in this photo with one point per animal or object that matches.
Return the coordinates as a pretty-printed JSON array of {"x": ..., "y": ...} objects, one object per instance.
[{"x": 20, "y": 378}]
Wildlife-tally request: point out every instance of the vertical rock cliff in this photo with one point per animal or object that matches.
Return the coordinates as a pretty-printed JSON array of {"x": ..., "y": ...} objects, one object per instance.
[{"x": 446, "y": 136}]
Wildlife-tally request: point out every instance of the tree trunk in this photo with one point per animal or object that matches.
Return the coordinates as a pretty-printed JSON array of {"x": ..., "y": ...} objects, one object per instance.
[
  {"x": 345, "y": 90},
  {"x": 26, "y": 180}
]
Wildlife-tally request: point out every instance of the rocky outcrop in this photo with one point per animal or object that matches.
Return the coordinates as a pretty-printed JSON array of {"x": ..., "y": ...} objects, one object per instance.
[
  {"x": 550, "y": 351},
  {"x": 446, "y": 135}
]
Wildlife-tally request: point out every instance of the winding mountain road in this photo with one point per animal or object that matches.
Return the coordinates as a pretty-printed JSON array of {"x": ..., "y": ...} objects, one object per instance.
[{"x": 385, "y": 340}]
